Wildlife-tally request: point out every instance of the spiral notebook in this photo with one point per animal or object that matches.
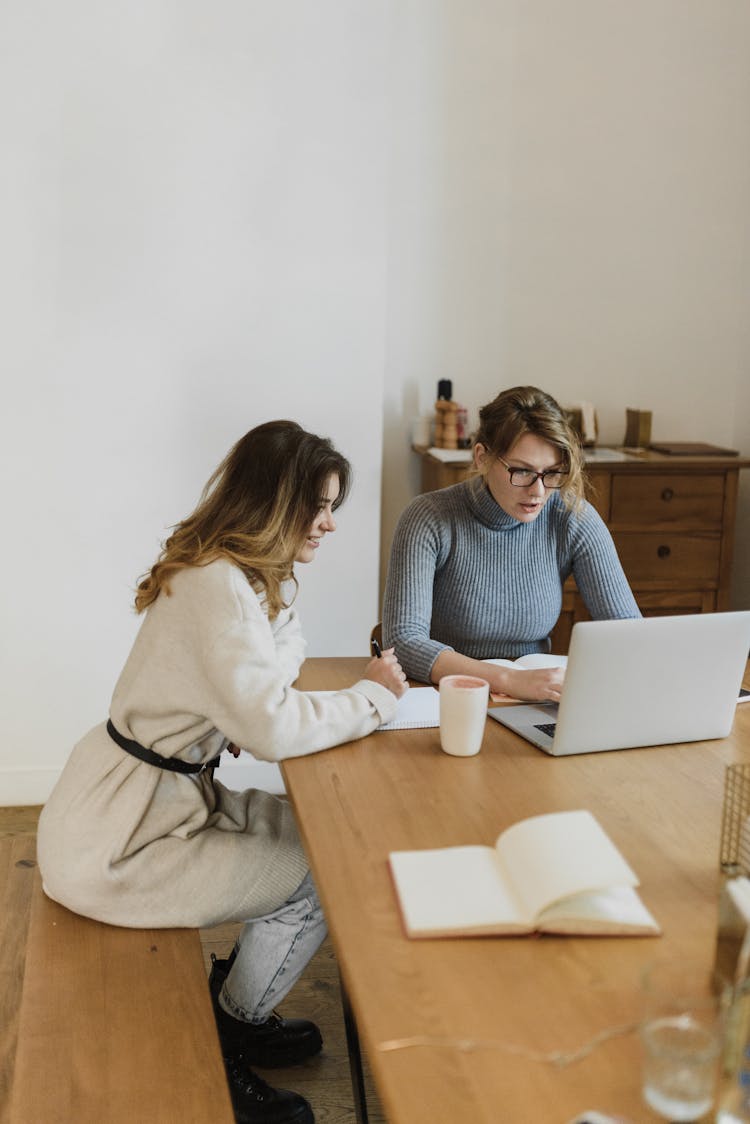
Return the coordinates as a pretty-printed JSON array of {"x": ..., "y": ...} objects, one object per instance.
[{"x": 418, "y": 709}]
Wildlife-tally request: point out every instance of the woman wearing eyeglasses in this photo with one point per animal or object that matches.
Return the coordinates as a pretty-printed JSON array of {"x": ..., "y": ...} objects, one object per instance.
[{"x": 477, "y": 569}]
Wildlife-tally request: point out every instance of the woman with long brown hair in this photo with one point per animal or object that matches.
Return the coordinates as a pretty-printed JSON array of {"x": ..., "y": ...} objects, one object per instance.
[
  {"x": 138, "y": 833},
  {"x": 477, "y": 569}
]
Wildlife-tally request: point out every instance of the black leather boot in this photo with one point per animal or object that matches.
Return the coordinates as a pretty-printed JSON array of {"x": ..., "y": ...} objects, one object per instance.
[
  {"x": 255, "y": 1102},
  {"x": 276, "y": 1042}
]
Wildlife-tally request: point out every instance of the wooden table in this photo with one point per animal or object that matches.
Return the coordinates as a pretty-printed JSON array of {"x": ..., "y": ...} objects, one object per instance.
[{"x": 521, "y": 1001}]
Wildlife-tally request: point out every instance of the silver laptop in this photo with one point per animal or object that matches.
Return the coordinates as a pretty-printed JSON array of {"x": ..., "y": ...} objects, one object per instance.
[{"x": 630, "y": 683}]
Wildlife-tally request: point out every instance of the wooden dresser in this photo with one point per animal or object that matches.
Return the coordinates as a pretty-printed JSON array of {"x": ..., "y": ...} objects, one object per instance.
[{"x": 672, "y": 520}]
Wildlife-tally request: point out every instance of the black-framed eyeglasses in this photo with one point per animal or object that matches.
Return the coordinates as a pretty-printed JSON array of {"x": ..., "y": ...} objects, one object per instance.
[{"x": 551, "y": 478}]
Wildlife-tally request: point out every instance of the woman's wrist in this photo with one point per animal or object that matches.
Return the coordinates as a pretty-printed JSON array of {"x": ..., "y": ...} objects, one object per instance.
[{"x": 450, "y": 662}]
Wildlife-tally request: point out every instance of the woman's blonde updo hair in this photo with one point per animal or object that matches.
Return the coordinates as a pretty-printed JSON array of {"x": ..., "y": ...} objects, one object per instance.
[
  {"x": 526, "y": 409},
  {"x": 256, "y": 511}
]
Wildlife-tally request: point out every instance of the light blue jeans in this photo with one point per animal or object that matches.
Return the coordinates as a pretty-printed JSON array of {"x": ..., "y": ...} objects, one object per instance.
[{"x": 272, "y": 952}]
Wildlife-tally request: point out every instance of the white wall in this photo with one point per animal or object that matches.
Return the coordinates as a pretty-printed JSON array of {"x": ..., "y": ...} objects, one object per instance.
[
  {"x": 214, "y": 214},
  {"x": 741, "y": 572},
  {"x": 193, "y": 242},
  {"x": 570, "y": 206}
]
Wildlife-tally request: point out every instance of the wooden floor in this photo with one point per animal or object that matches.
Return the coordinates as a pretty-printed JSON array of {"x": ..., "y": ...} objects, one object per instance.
[{"x": 324, "y": 1080}]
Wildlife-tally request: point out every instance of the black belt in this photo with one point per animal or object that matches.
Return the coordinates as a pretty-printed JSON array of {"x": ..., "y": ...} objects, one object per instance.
[{"x": 172, "y": 764}]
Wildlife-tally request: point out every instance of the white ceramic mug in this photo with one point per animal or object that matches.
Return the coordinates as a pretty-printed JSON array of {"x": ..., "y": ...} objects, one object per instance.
[{"x": 463, "y": 713}]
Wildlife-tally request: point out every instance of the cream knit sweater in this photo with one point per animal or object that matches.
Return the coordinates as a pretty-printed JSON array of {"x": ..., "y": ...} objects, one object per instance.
[{"x": 130, "y": 844}]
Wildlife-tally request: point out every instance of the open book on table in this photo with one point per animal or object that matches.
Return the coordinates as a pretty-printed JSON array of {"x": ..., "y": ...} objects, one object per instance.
[
  {"x": 555, "y": 873},
  {"x": 526, "y": 663}
]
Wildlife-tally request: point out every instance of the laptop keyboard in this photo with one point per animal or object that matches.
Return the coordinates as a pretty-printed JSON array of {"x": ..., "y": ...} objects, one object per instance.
[{"x": 547, "y": 728}]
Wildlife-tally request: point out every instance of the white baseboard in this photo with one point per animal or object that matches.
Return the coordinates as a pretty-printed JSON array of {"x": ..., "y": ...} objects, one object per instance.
[
  {"x": 33, "y": 786},
  {"x": 26, "y": 786}
]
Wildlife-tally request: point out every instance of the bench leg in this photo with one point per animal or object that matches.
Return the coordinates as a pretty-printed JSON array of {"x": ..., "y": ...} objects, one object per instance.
[{"x": 355, "y": 1058}]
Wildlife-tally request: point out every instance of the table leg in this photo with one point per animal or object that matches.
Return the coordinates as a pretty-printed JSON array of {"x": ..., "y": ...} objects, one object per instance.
[{"x": 355, "y": 1058}]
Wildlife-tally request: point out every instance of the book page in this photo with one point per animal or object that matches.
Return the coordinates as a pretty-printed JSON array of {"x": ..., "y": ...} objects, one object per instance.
[
  {"x": 532, "y": 660},
  {"x": 550, "y": 857},
  {"x": 454, "y": 890},
  {"x": 618, "y": 911},
  {"x": 541, "y": 659}
]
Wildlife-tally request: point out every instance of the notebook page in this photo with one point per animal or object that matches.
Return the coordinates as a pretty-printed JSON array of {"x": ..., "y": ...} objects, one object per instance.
[{"x": 418, "y": 709}]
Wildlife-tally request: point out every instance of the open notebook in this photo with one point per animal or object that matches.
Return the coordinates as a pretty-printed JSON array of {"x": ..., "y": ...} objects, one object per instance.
[
  {"x": 652, "y": 681},
  {"x": 418, "y": 709}
]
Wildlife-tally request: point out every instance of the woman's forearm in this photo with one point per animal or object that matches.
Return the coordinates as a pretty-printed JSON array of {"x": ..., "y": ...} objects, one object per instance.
[
  {"x": 450, "y": 662},
  {"x": 540, "y": 684}
]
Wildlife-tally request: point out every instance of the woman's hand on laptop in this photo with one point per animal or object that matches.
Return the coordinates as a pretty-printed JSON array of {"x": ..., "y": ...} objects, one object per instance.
[{"x": 540, "y": 684}]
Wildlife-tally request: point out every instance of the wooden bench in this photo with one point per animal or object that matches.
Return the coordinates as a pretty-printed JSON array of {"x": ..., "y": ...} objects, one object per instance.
[{"x": 115, "y": 1025}]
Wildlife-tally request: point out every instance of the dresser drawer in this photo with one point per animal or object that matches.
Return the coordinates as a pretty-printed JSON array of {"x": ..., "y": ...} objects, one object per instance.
[
  {"x": 671, "y": 602},
  {"x": 665, "y": 557},
  {"x": 668, "y": 499}
]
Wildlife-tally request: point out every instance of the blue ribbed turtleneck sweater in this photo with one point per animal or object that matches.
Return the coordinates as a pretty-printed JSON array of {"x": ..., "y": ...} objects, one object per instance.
[{"x": 464, "y": 574}]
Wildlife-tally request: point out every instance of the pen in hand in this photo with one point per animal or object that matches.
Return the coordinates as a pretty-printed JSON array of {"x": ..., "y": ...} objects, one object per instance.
[{"x": 390, "y": 673}]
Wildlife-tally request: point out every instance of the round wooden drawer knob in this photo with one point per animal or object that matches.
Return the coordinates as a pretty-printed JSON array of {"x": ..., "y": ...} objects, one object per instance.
[
  {"x": 667, "y": 495},
  {"x": 663, "y": 551}
]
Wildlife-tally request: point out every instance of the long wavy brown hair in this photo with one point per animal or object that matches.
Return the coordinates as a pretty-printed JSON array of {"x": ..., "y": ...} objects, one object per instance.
[
  {"x": 527, "y": 409},
  {"x": 256, "y": 510}
]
